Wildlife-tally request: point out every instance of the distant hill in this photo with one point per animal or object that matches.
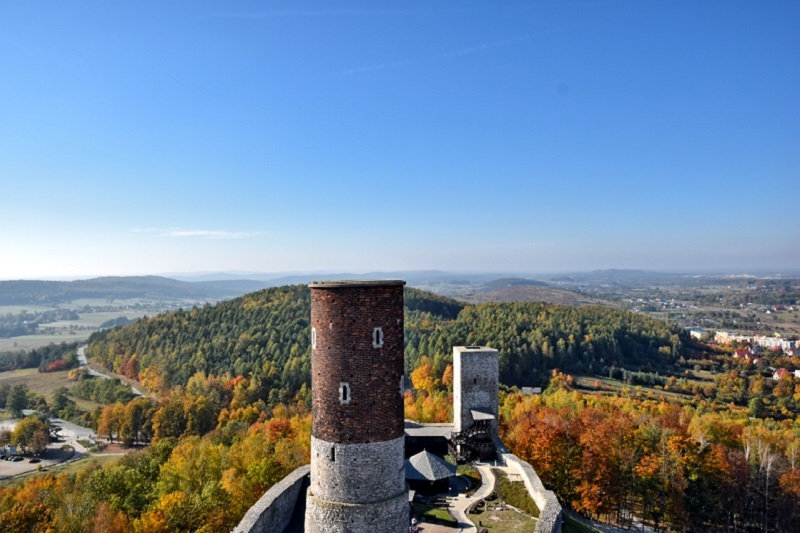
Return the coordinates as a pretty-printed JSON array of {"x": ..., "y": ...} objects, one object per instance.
[
  {"x": 503, "y": 283},
  {"x": 33, "y": 292},
  {"x": 627, "y": 278},
  {"x": 534, "y": 293}
]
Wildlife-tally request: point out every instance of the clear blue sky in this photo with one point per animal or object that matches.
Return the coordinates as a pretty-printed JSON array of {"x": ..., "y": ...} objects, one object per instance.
[{"x": 147, "y": 137}]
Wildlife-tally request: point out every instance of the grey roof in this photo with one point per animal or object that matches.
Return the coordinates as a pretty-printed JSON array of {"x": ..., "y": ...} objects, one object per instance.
[
  {"x": 428, "y": 467},
  {"x": 416, "y": 429},
  {"x": 481, "y": 414}
]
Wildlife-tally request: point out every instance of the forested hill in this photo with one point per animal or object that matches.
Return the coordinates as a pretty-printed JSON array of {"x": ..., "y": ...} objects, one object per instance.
[
  {"x": 27, "y": 292},
  {"x": 265, "y": 335}
]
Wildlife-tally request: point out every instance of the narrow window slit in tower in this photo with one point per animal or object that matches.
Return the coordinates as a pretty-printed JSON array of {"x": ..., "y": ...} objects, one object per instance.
[
  {"x": 314, "y": 338},
  {"x": 333, "y": 454},
  {"x": 475, "y": 381},
  {"x": 344, "y": 393},
  {"x": 377, "y": 337}
]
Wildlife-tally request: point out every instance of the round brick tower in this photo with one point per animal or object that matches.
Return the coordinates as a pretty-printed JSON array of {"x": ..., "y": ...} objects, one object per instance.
[{"x": 357, "y": 465}]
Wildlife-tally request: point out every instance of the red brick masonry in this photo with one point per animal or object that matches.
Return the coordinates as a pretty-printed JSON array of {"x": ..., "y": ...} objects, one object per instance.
[{"x": 344, "y": 315}]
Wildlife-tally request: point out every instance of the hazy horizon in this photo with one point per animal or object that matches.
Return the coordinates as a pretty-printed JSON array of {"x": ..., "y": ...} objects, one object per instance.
[
  {"x": 354, "y": 136},
  {"x": 264, "y": 276}
]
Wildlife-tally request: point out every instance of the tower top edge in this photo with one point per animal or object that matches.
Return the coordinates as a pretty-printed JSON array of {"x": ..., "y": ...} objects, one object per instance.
[
  {"x": 474, "y": 349},
  {"x": 356, "y": 283}
]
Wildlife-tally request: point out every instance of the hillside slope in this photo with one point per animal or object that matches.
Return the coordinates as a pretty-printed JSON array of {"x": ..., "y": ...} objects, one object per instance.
[
  {"x": 533, "y": 293},
  {"x": 265, "y": 335}
]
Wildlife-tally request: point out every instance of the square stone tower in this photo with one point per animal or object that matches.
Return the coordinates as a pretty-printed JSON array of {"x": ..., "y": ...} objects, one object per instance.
[{"x": 475, "y": 387}]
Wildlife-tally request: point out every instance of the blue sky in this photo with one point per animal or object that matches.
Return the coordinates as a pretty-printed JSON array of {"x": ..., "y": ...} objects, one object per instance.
[{"x": 148, "y": 137}]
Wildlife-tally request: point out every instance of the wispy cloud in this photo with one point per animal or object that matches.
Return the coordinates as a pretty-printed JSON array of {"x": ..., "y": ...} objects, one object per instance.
[
  {"x": 197, "y": 233},
  {"x": 435, "y": 57},
  {"x": 377, "y": 12}
]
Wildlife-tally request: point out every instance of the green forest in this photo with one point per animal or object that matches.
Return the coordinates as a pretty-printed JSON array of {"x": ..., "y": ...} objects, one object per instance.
[{"x": 264, "y": 336}]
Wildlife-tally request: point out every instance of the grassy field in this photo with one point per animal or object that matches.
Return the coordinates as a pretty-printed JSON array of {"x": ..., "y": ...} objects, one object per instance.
[
  {"x": 29, "y": 342},
  {"x": 75, "y": 330},
  {"x": 17, "y": 309},
  {"x": 432, "y": 514},
  {"x": 506, "y": 521},
  {"x": 589, "y": 384},
  {"x": 45, "y": 384},
  {"x": 514, "y": 493},
  {"x": 39, "y": 382}
]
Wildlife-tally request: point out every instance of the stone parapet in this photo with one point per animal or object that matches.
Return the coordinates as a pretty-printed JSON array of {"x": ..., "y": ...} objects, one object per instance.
[
  {"x": 549, "y": 508},
  {"x": 273, "y": 511}
]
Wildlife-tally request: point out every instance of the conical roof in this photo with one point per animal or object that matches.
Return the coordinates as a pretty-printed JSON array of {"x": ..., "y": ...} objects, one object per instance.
[{"x": 426, "y": 466}]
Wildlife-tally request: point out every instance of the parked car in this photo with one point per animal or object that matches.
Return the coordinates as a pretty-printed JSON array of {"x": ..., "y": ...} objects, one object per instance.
[
  {"x": 17, "y": 459},
  {"x": 3, "y": 457},
  {"x": 35, "y": 460}
]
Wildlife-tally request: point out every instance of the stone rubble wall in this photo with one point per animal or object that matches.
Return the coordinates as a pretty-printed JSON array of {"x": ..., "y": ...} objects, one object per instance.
[
  {"x": 273, "y": 511},
  {"x": 360, "y": 473},
  {"x": 389, "y": 516},
  {"x": 549, "y": 509}
]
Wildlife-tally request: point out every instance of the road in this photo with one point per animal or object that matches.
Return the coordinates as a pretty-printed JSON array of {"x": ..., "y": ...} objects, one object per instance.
[
  {"x": 70, "y": 433},
  {"x": 84, "y": 364}
]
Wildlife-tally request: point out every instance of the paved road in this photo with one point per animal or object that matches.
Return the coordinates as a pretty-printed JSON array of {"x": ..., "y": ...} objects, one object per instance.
[{"x": 84, "y": 364}]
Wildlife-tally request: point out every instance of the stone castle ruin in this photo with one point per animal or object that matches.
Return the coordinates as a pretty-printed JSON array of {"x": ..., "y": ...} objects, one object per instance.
[{"x": 356, "y": 482}]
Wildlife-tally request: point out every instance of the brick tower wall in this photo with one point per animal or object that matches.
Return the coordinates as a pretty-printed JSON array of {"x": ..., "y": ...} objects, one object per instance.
[
  {"x": 344, "y": 317},
  {"x": 357, "y": 441}
]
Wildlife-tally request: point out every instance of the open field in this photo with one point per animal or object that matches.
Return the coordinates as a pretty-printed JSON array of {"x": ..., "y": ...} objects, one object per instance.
[
  {"x": 506, "y": 521},
  {"x": 39, "y": 382},
  {"x": 45, "y": 383},
  {"x": 589, "y": 384},
  {"x": 92, "y": 314},
  {"x": 29, "y": 342},
  {"x": 17, "y": 309}
]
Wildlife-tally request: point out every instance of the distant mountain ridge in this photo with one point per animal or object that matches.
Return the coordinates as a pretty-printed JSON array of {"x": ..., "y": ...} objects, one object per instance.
[{"x": 32, "y": 292}]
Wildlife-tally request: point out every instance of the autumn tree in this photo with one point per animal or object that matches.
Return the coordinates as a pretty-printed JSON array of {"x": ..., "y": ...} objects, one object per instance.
[
  {"x": 31, "y": 435},
  {"x": 110, "y": 421}
]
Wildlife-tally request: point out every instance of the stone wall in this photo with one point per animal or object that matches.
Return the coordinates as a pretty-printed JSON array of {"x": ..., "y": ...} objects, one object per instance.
[
  {"x": 273, "y": 511},
  {"x": 475, "y": 383},
  {"x": 357, "y": 473},
  {"x": 549, "y": 508}
]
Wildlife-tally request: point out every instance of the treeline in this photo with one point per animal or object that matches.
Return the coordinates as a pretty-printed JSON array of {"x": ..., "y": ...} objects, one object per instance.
[
  {"x": 101, "y": 390},
  {"x": 534, "y": 338},
  {"x": 25, "y": 323},
  {"x": 678, "y": 467},
  {"x": 264, "y": 335},
  {"x": 194, "y": 483},
  {"x": 428, "y": 302},
  {"x": 48, "y": 358}
]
